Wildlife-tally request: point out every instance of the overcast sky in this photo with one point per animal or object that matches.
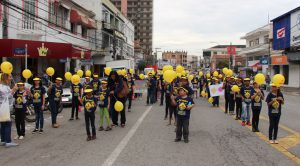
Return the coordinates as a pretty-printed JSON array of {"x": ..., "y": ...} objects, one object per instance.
[{"x": 193, "y": 25}]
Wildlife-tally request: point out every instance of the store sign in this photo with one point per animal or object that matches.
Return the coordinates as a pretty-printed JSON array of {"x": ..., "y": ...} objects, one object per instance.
[
  {"x": 282, "y": 33},
  {"x": 264, "y": 61},
  {"x": 43, "y": 51},
  {"x": 231, "y": 50},
  {"x": 279, "y": 60},
  {"x": 295, "y": 33},
  {"x": 19, "y": 51}
]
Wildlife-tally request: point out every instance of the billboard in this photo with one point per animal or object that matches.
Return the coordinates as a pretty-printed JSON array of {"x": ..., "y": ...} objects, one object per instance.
[
  {"x": 282, "y": 33},
  {"x": 295, "y": 29}
]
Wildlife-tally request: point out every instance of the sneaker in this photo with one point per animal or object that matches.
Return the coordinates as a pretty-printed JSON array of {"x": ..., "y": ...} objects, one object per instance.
[
  {"x": 71, "y": 119},
  {"x": 16, "y": 137},
  {"x": 55, "y": 125},
  {"x": 257, "y": 130},
  {"x": 122, "y": 125},
  {"x": 41, "y": 131},
  {"x": 93, "y": 137},
  {"x": 177, "y": 140},
  {"x": 21, "y": 137},
  {"x": 186, "y": 141},
  {"x": 108, "y": 129},
  {"x": 35, "y": 131},
  {"x": 101, "y": 128},
  {"x": 276, "y": 142},
  {"x": 88, "y": 138},
  {"x": 12, "y": 144},
  {"x": 253, "y": 129},
  {"x": 243, "y": 123},
  {"x": 249, "y": 123},
  {"x": 236, "y": 118},
  {"x": 271, "y": 142}
]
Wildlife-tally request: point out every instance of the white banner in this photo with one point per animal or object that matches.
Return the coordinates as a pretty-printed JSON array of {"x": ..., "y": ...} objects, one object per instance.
[{"x": 216, "y": 90}]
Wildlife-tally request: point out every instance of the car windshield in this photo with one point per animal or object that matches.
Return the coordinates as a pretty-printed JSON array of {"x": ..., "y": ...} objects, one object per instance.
[{"x": 67, "y": 84}]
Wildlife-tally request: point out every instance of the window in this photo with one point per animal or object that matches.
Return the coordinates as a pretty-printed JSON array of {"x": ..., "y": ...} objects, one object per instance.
[
  {"x": 83, "y": 31},
  {"x": 58, "y": 15},
  {"x": 266, "y": 39},
  {"x": 257, "y": 41},
  {"x": 73, "y": 28},
  {"x": 215, "y": 53},
  {"x": 29, "y": 14}
]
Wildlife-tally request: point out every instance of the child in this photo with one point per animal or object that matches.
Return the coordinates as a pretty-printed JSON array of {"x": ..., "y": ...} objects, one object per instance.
[
  {"x": 104, "y": 103},
  {"x": 38, "y": 94},
  {"x": 168, "y": 90},
  {"x": 90, "y": 104},
  {"x": 216, "y": 98},
  {"x": 238, "y": 100},
  {"x": 20, "y": 110},
  {"x": 184, "y": 105}
]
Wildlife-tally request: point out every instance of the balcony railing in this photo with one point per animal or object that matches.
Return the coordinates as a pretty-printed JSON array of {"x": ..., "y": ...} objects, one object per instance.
[{"x": 29, "y": 24}]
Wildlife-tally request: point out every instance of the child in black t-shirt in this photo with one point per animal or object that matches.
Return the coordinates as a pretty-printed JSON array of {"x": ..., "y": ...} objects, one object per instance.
[
  {"x": 20, "y": 110},
  {"x": 90, "y": 104},
  {"x": 184, "y": 105},
  {"x": 104, "y": 104}
]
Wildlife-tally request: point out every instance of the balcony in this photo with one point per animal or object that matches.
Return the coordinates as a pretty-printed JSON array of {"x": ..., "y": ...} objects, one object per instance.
[
  {"x": 29, "y": 27},
  {"x": 255, "y": 49}
]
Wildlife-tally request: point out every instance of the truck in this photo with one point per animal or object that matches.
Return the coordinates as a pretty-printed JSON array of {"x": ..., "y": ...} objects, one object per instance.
[{"x": 121, "y": 64}]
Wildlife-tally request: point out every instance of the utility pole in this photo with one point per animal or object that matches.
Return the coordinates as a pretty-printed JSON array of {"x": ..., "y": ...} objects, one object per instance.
[
  {"x": 4, "y": 23},
  {"x": 230, "y": 57}
]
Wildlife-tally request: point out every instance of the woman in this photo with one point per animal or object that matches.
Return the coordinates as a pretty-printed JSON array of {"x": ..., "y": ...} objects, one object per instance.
[
  {"x": 274, "y": 100},
  {"x": 131, "y": 87},
  {"x": 6, "y": 94},
  {"x": 115, "y": 83},
  {"x": 257, "y": 95}
]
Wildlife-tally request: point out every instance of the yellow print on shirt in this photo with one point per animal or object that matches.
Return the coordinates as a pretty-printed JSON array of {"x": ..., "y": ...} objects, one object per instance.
[
  {"x": 19, "y": 100},
  {"x": 275, "y": 104},
  {"x": 57, "y": 94},
  {"x": 102, "y": 97},
  {"x": 182, "y": 106},
  {"x": 36, "y": 95},
  {"x": 247, "y": 95},
  {"x": 76, "y": 90},
  {"x": 257, "y": 99},
  {"x": 89, "y": 105}
]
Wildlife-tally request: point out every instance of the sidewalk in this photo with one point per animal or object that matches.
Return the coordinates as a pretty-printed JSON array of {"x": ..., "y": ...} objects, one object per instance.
[{"x": 291, "y": 91}]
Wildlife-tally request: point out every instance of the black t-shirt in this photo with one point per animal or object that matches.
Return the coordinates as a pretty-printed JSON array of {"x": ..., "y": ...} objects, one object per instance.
[
  {"x": 55, "y": 93},
  {"x": 76, "y": 90},
  {"x": 20, "y": 100},
  {"x": 275, "y": 108},
  {"x": 38, "y": 95},
  {"x": 182, "y": 103}
]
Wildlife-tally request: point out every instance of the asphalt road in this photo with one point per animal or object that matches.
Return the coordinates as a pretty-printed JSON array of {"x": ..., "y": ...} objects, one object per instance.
[{"x": 215, "y": 139}]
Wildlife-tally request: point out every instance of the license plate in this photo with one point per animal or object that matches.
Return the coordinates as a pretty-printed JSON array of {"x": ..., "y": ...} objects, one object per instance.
[{"x": 65, "y": 99}]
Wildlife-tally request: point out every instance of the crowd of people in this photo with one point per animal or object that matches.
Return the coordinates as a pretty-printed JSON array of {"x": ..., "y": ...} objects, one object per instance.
[{"x": 110, "y": 97}]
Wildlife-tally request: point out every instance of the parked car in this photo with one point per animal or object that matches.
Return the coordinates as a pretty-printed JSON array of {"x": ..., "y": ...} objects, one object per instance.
[{"x": 67, "y": 95}]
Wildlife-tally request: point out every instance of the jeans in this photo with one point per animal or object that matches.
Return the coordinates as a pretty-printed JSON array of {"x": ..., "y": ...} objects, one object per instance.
[
  {"x": 162, "y": 94},
  {"x": 75, "y": 107},
  {"x": 90, "y": 121},
  {"x": 6, "y": 132},
  {"x": 255, "y": 117},
  {"x": 273, "y": 128},
  {"x": 216, "y": 101},
  {"x": 54, "y": 110},
  {"x": 239, "y": 107},
  {"x": 130, "y": 99},
  {"x": 39, "y": 117},
  {"x": 182, "y": 128},
  {"x": 20, "y": 121},
  {"x": 246, "y": 112},
  {"x": 151, "y": 96},
  {"x": 104, "y": 114}
]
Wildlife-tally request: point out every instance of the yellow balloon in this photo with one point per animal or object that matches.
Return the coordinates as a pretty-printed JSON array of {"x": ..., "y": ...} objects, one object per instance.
[
  {"x": 68, "y": 76},
  {"x": 208, "y": 75},
  {"x": 50, "y": 71},
  {"x": 169, "y": 76},
  {"x": 88, "y": 73},
  {"x": 6, "y": 67},
  {"x": 123, "y": 72},
  {"x": 183, "y": 73},
  {"x": 167, "y": 67},
  {"x": 131, "y": 71},
  {"x": 278, "y": 79},
  {"x": 211, "y": 100},
  {"x": 235, "y": 88},
  {"x": 216, "y": 74},
  {"x": 107, "y": 70},
  {"x": 26, "y": 73},
  {"x": 119, "y": 72},
  {"x": 191, "y": 77},
  {"x": 260, "y": 79},
  {"x": 80, "y": 73},
  {"x": 178, "y": 74},
  {"x": 200, "y": 73},
  {"x": 75, "y": 79},
  {"x": 229, "y": 73},
  {"x": 220, "y": 76},
  {"x": 142, "y": 76},
  {"x": 179, "y": 69},
  {"x": 203, "y": 93},
  {"x": 225, "y": 70},
  {"x": 119, "y": 106}
]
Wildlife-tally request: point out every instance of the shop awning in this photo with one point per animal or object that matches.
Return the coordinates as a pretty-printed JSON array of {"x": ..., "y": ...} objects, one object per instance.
[
  {"x": 39, "y": 49},
  {"x": 253, "y": 63},
  {"x": 78, "y": 18}
]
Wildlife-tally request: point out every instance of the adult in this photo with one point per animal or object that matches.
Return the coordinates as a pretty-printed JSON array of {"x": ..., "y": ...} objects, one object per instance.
[
  {"x": 55, "y": 92},
  {"x": 6, "y": 95},
  {"x": 274, "y": 100},
  {"x": 95, "y": 84},
  {"x": 130, "y": 87},
  {"x": 77, "y": 91},
  {"x": 226, "y": 87},
  {"x": 238, "y": 99},
  {"x": 161, "y": 85},
  {"x": 116, "y": 84},
  {"x": 151, "y": 89}
]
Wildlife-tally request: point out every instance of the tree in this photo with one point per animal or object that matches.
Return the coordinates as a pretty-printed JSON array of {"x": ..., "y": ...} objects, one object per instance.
[
  {"x": 141, "y": 65},
  {"x": 221, "y": 64}
]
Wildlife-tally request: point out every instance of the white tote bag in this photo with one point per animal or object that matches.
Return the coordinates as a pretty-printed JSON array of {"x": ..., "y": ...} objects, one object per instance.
[{"x": 5, "y": 111}]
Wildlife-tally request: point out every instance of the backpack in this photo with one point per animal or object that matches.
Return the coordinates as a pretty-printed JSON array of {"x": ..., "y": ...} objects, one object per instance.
[{"x": 125, "y": 90}]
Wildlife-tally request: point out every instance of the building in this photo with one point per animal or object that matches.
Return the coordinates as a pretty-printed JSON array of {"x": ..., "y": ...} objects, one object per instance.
[
  {"x": 193, "y": 62},
  {"x": 179, "y": 57},
  {"x": 140, "y": 12},
  {"x": 212, "y": 56},
  {"x": 286, "y": 37},
  {"x": 61, "y": 34},
  {"x": 117, "y": 36}
]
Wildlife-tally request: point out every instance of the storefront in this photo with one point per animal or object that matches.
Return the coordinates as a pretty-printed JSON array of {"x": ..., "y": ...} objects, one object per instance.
[
  {"x": 280, "y": 65},
  {"x": 40, "y": 55}
]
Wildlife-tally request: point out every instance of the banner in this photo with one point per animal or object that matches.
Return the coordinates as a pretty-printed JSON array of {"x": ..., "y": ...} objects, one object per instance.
[
  {"x": 216, "y": 90},
  {"x": 140, "y": 86}
]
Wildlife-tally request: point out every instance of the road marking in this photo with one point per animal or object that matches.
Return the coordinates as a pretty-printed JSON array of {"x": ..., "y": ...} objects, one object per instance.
[
  {"x": 115, "y": 154},
  {"x": 281, "y": 147}
]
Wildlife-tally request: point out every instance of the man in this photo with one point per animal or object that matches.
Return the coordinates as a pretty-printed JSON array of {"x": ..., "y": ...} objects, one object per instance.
[
  {"x": 55, "y": 93},
  {"x": 151, "y": 89},
  {"x": 226, "y": 87},
  {"x": 162, "y": 89},
  {"x": 231, "y": 96}
]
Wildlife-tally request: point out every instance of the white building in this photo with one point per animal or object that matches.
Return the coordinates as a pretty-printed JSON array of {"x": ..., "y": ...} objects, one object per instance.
[{"x": 61, "y": 34}]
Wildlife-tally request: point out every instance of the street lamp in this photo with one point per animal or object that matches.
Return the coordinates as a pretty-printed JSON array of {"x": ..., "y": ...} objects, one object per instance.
[{"x": 155, "y": 58}]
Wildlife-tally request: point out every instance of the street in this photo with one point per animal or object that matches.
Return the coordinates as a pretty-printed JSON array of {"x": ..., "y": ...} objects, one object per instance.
[{"x": 215, "y": 139}]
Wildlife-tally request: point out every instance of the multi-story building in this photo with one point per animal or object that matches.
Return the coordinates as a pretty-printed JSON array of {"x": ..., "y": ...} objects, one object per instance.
[
  {"x": 212, "y": 56},
  {"x": 193, "y": 62},
  {"x": 140, "y": 12},
  {"x": 179, "y": 57},
  {"x": 117, "y": 37},
  {"x": 258, "y": 49},
  {"x": 61, "y": 34}
]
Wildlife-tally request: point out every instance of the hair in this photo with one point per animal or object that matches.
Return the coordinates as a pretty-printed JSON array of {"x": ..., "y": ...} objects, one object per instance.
[
  {"x": 4, "y": 78},
  {"x": 110, "y": 80}
]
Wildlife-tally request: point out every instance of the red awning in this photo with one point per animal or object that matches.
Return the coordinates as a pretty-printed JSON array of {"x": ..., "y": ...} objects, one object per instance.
[
  {"x": 39, "y": 49},
  {"x": 77, "y": 18}
]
